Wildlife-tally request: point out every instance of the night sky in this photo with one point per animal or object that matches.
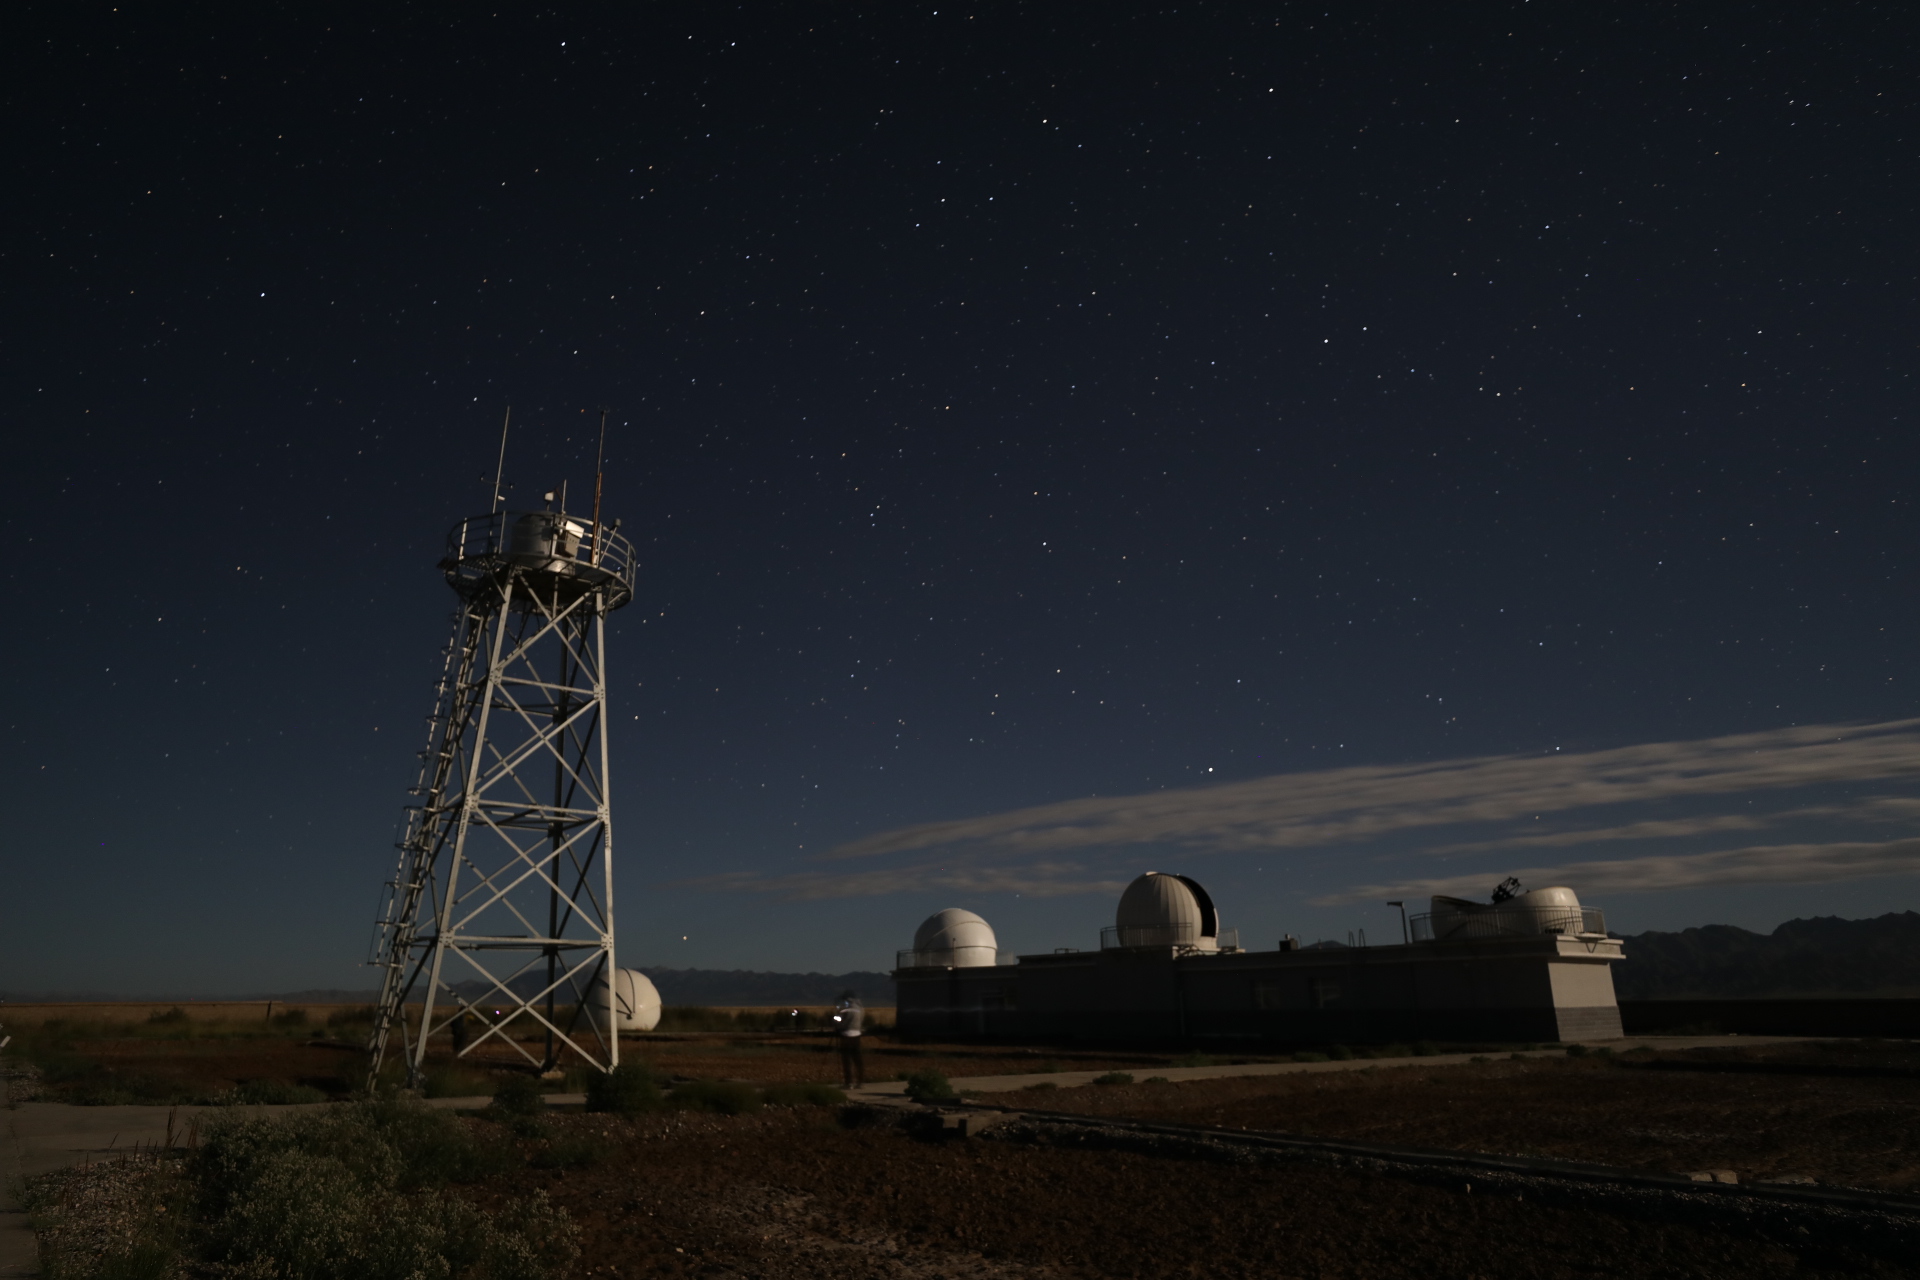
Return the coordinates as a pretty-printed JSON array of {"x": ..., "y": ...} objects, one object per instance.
[{"x": 1428, "y": 431}]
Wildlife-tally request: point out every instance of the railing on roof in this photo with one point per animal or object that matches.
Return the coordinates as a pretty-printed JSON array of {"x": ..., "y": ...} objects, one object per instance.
[
  {"x": 1505, "y": 922},
  {"x": 1121, "y": 937},
  {"x": 942, "y": 958}
]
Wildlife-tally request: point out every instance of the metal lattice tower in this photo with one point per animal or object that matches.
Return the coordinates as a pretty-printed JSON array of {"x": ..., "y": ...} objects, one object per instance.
[{"x": 505, "y": 875}]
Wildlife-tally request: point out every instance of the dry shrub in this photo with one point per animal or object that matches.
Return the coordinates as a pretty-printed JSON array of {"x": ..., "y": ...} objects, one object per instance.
[
  {"x": 928, "y": 1085},
  {"x": 629, "y": 1089},
  {"x": 456, "y": 1082},
  {"x": 518, "y": 1095},
  {"x": 356, "y": 1190},
  {"x": 803, "y": 1095}
]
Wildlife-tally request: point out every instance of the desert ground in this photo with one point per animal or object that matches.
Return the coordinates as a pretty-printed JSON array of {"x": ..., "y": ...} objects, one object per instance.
[{"x": 756, "y": 1182}]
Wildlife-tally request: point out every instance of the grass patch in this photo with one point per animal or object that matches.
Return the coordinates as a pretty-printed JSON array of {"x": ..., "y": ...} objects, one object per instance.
[
  {"x": 517, "y": 1096},
  {"x": 699, "y": 1018},
  {"x": 450, "y": 1080},
  {"x": 1156, "y": 1080},
  {"x": 627, "y": 1090},
  {"x": 1115, "y": 1077},
  {"x": 569, "y": 1150},
  {"x": 269, "y": 1093},
  {"x": 728, "y": 1097},
  {"x": 803, "y": 1095}
]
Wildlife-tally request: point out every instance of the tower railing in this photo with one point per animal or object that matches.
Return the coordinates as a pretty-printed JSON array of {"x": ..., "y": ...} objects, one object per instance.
[{"x": 551, "y": 547}]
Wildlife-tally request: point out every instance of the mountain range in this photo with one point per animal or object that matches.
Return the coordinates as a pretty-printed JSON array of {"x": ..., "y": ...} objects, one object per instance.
[{"x": 1824, "y": 956}]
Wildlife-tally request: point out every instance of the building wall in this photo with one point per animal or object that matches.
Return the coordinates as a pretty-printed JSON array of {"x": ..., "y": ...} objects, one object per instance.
[{"x": 1520, "y": 989}]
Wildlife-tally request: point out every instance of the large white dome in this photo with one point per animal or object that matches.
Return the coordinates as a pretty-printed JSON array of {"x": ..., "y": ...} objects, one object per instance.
[
  {"x": 636, "y": 1003},
  {"x": 1164, "y": 911},
  {"x": 958, "y": 938}
]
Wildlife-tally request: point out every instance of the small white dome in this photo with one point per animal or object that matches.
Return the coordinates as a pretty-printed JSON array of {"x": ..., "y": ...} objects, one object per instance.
[
  {"x": 636, "y": 1003},
  {"x": 956, "y": 937},
  {"x": 1165, "y": 910},
  {"x": 1555, "y": 909}
]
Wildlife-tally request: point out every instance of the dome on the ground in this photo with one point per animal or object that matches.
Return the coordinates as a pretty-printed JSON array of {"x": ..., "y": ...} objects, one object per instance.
[
  {"x": 1160, "y": 910},
  {"x": 958, "y": 938},
  {"x": 636, "y": 1003}
]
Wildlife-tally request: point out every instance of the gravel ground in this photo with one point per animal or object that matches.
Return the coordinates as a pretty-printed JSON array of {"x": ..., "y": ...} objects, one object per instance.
[
  {"x": 797, "y": 1194},
  {"x": 1843, "y": 1115},
  {"x": 793, "y": 1194},
  {"x": 19, "y": 1082},
  {"x": 113, "y": 1207}
]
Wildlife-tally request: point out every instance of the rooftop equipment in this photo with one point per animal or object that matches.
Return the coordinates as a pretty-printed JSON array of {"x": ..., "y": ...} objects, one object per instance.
[{"x": 1512, "y": 913}]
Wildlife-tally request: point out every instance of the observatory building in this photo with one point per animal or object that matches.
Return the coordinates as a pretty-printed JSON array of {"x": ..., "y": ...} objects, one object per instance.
[{"x": 1528, "y": 966}]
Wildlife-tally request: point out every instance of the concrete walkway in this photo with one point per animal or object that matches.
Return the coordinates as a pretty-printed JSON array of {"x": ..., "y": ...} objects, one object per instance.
[{"x": 1070, "y": 1079}]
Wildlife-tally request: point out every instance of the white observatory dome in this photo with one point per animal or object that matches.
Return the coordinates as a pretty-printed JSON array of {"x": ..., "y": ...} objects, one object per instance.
[
  {"x": 1551, "y": 910},
  {"x": 636, "y": 1004},
  {"x": 955, "y": 937},
  {"x": 1167, "y": 911},
  {"x": 1555, "y": 909}
]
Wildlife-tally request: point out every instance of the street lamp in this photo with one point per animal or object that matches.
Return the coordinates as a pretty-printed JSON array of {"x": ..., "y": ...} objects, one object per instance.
[{"x": 1405, "y": 939}]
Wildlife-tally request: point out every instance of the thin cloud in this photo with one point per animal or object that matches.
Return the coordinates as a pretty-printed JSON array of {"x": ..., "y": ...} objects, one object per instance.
[
  {"x": 1865, "y": 809},
  {"x": 1759, "y": 864},
  {"x": 1346, "y": 805},
  {"x": 1041, "y": 880},
  {"x": 1665, "y": 829},
  {"x": 1022, "y": 851}
]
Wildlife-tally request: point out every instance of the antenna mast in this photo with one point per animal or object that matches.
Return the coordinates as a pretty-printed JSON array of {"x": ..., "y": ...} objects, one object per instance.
[
  {"x": 599, "y": 473},
  {"x": 500, "y": 469}
]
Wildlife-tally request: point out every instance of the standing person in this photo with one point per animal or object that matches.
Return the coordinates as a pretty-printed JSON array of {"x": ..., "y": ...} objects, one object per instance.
[{"x": 848, "y": 1017}]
